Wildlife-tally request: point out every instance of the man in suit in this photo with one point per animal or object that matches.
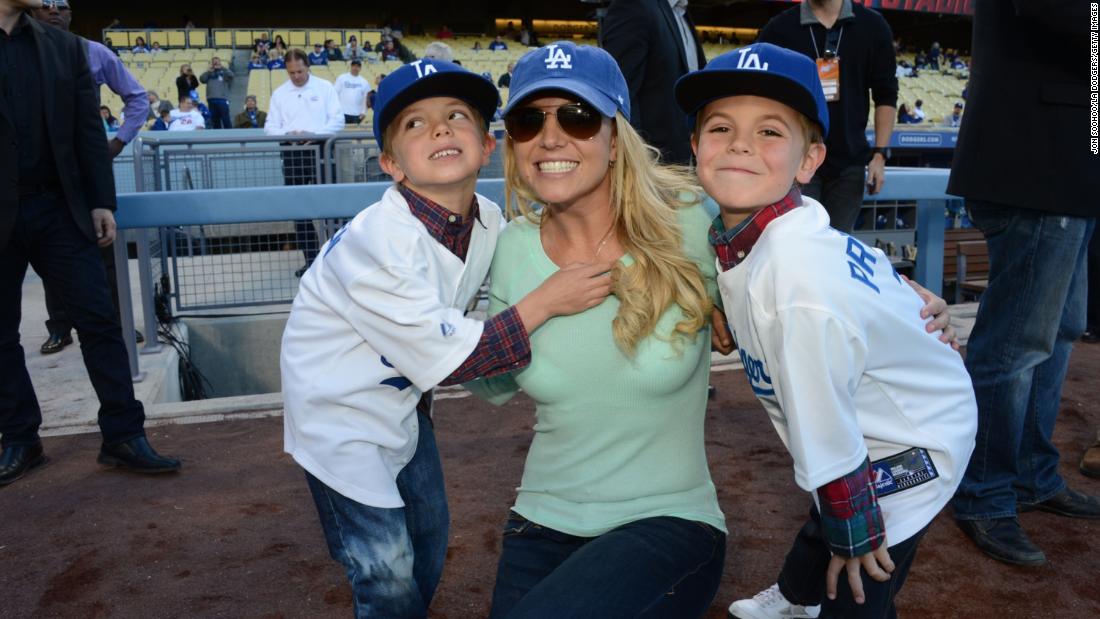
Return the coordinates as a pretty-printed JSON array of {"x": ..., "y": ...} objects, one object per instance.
[
  {"x": 56, "y": 206},
  {"x": 655, "y": 43},
  {"x": 1031, "y": 184}
]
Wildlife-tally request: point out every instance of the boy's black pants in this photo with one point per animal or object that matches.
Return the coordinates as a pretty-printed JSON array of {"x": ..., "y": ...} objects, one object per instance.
[{"x": 802, "y": 579}]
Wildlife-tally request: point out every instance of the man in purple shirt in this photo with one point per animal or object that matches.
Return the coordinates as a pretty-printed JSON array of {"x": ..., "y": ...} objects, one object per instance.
[{"x": 106, "y": 68}]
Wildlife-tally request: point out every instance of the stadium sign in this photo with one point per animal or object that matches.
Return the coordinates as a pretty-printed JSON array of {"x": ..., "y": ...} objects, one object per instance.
[
  {"x": 919, "y": 140},
  {"x": 954, "y": 7}
]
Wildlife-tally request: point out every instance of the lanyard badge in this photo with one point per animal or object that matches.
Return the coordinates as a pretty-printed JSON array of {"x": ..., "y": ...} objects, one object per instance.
[
  {"x": 828, "y": 69},
  {"x": 828, "y": 63}
]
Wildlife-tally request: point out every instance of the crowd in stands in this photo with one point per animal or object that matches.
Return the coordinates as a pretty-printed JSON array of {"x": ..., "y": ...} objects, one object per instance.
[{"x": 268, "y": 54}]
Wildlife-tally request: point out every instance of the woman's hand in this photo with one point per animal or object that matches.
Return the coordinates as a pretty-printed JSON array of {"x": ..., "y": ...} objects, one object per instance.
[{"x": 936, "y": 308}]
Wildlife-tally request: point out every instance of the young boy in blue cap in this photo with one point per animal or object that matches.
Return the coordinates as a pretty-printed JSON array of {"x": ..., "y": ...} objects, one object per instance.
[
  {"x": 878, "y": 415},
  {"x": 379, "y": 321}
]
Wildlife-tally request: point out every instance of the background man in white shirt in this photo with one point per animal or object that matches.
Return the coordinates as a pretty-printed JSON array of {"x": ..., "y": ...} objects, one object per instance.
[
  {"x": 306, "y": 105},
  {"x": 352, "y": 90}
]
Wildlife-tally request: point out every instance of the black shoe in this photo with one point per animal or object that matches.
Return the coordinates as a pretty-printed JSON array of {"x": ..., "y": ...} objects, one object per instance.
[
  {"x": 17, "y": 460},
  {"x": 137, "y": 455},
  {"x": 138, "y": 337},
  {"x": 1004, "y": 540},
  {"x": 1091, "y": 336},
  {"x": 1068, "y": 503},
  {"x": 56, "y": 343}
]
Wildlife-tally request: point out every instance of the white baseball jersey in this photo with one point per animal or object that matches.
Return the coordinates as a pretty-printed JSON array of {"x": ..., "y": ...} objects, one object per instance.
[
  {"x": 378, "y": 320},
  {"x": 834, "y": 347},
  {"x": 185, "y": 121},
  {"x": 312, "y": 108},
  {"x": 352, "y": 90}
]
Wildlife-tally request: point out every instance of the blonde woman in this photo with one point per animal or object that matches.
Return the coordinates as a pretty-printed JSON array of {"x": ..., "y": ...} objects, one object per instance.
[{"x": 616, "y": 514}]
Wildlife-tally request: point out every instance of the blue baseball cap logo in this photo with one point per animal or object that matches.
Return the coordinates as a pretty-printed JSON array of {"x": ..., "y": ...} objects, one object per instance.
[
  {"x": 761, "y": 69},
  {"x": 430, "y": 77},
  {"x": 588, "y": 72}
]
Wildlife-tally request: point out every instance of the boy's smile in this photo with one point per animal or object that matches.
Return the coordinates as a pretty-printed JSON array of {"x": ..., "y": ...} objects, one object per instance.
[{"x": 750, "y": 151}]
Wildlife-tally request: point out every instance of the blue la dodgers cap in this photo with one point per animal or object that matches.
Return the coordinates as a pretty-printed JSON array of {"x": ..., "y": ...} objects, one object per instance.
[
  {"x": 582, "y": 70},
  {"x": 430, "y": 77},
  {"x": 760, "y": 69}
]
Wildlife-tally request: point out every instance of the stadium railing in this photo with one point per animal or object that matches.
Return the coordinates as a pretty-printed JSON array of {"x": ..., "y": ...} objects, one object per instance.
[{"x": 153, "y": 218}]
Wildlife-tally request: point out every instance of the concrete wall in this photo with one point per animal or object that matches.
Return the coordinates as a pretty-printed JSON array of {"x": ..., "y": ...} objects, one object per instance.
[{"x": 238, "y": 355}]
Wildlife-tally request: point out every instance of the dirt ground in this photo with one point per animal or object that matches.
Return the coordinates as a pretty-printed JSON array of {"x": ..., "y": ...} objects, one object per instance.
[{"x": 235, "y": 535}]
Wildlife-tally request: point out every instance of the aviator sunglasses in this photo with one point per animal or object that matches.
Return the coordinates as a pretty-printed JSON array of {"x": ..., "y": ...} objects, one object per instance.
[
  {"x": 62, "y": 5},
  {"x": 579, "y": 120}
]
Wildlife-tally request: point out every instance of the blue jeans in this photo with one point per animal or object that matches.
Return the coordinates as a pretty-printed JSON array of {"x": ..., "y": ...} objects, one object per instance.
[
  {"x": 46, "y": 237},
  {"x": 654, "y": 567},
  {"x": 802, "y": 579},
  {"x": 393, "y": 556},
  {"x": 219, "y": 114},
  {"x": 1018, "y": 353}
]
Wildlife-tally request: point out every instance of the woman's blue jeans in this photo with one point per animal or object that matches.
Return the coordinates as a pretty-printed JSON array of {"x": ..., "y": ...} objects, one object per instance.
[{"x": 654, "y": 567}]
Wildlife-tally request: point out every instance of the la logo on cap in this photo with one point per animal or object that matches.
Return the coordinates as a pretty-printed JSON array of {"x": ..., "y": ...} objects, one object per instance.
[
  {"x": 426, "y": 70},
  {"x": 557, "y": 58},
  {"x": 748, "y": 59}
]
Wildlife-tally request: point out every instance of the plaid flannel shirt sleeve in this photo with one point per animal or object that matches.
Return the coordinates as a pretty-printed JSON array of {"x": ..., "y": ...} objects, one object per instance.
[
  {"x": 503, "y": 347},
  {"x": 850, "y": 515}
]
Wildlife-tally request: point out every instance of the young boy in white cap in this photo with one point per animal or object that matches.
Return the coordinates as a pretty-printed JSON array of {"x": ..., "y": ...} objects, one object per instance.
[
  {"x": 379, "y": 321},
  {"x": 878, "y": 415}
]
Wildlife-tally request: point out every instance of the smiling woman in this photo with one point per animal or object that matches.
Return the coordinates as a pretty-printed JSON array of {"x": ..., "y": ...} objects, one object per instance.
[{"x": 616, "y": 514}]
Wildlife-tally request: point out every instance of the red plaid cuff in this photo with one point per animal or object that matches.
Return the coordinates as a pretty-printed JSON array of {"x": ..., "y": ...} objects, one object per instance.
[
  {"x": 850, "y": 515},
  {"x": 503, "y": 347}
]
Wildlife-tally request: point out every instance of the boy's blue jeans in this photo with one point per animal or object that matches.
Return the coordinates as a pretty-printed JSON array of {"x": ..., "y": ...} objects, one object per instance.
[
  {"x": 1018, "y": 354},
  {"x": 654, "y": 567},
  {"x": 393, "y": 556}
]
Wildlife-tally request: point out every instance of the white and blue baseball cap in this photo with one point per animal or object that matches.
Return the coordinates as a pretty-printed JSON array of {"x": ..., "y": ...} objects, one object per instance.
[
  {"x": 582, "y": 70},
  {"x": 760, "y": 69},
  {"x": 430, "y": 77}
]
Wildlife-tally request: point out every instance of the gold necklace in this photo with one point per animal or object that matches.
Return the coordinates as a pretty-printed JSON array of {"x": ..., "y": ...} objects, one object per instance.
[{"x": 604, "y": 240}]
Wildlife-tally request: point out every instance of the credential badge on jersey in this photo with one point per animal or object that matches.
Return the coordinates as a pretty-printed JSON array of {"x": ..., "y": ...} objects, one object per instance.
[{"x": 556, "y": 58}]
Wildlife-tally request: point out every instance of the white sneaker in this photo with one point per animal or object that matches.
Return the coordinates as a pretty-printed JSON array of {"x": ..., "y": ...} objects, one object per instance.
[{"x": 770, "y": 604}]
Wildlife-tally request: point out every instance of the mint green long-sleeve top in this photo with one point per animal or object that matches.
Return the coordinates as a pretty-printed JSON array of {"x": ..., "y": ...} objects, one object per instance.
[{"x": 617, "y": 438}]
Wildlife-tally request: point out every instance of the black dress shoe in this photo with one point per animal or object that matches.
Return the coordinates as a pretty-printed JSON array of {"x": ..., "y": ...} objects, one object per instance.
[
  {"x": 1004, "y": 540},
  {"x": 138, "y": 337},
  {"x": 137, "y": 455},
  {"x": 56, "y": 343},
  {"x": 1091, "y": 336},
  {"x": 17, "y": 460},
  {"x": 1068, "y": 503}
]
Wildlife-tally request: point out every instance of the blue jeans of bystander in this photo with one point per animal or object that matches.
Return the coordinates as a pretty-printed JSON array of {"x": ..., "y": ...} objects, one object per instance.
[{"x": 1018, "y": 353}]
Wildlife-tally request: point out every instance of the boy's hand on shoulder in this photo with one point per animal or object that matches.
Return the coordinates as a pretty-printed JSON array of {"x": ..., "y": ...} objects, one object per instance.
[
  {"x": 720, "y": 338},
  {"x": 877, "y": 563},
  {"x": 935, "y": 307},
  {"x": 573, "y": 289}
]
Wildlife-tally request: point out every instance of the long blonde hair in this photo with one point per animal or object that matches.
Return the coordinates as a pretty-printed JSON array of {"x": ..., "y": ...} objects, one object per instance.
[{"x": 645, "y": 196}]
